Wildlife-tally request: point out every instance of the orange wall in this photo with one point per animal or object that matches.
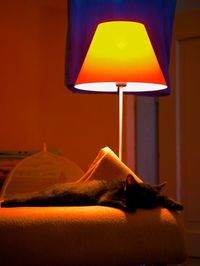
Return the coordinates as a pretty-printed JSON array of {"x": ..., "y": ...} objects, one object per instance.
[{"x": 35, "y": 106}]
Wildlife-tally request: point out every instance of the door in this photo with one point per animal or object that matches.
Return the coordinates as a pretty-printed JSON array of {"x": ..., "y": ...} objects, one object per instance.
[{"x": 179, "y": 125}]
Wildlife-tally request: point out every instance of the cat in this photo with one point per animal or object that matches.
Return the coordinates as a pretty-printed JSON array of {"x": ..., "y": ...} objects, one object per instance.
[{"x": 127, "y": 195}]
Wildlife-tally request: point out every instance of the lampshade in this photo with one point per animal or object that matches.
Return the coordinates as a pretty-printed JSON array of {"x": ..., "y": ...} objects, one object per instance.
[{"x": 120, "y": 53}]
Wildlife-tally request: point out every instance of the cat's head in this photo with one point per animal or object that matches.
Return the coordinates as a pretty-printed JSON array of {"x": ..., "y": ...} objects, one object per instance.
[{"x": 142, "y": 195}]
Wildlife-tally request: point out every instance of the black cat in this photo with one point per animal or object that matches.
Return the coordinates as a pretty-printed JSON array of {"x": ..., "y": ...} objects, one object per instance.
[{"x": 127, "y": 195}]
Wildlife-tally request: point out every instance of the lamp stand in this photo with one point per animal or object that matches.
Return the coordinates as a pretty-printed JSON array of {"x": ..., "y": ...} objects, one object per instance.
[{"x": 120, "y": 86}]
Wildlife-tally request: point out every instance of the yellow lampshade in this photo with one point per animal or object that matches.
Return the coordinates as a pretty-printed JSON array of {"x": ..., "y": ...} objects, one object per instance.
[{"x": 120, "y": 52}]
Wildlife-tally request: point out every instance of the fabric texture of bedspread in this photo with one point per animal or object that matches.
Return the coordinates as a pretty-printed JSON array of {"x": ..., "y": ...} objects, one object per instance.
[{"x": 93, "y": 235}]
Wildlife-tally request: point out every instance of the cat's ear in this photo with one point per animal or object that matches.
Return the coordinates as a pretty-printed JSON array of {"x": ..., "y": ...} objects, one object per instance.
[
  {"x": 130, "y": 181},
  {"x": 160, "y": 186}
]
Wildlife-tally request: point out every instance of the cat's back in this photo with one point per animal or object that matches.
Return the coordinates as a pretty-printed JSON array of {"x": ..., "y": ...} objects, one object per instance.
[{"x": 93, "y": 187}]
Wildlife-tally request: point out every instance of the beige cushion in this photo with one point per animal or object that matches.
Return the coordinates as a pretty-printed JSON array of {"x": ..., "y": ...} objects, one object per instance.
[{"x": 107, "y": 165}]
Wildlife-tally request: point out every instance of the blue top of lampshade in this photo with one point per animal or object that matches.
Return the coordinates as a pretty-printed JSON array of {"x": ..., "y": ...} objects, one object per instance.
[{"x": 85, "y": 15}]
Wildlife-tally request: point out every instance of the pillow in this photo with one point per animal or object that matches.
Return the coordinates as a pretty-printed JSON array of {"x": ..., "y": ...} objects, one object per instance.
[
  {"x": 37, "y": 172},
  {"x": 107, "y": 165}
]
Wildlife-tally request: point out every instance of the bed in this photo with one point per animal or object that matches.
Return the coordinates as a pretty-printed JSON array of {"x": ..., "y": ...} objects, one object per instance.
[{"x": 92, "y": 235}]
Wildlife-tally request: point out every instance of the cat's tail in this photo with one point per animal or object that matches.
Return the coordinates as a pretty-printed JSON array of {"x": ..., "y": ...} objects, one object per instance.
[
  {"x": 12, "y": 203},
  {"x": 21, "y": 202}
]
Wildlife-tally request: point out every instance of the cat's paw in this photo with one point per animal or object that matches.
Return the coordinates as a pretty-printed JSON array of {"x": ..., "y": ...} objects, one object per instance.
[{"x": 176, "y": 206}]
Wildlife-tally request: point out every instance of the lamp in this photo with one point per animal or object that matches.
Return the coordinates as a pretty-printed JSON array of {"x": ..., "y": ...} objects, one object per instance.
[{"x": 120, "y": 58}]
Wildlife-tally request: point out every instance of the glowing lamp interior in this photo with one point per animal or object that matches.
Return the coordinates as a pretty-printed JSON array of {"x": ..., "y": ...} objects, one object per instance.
[{"x": 120, "y": 51}]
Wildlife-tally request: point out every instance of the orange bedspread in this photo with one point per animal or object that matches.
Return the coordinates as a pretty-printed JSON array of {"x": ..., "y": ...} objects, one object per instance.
[{"x": 94, "y": 235}]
